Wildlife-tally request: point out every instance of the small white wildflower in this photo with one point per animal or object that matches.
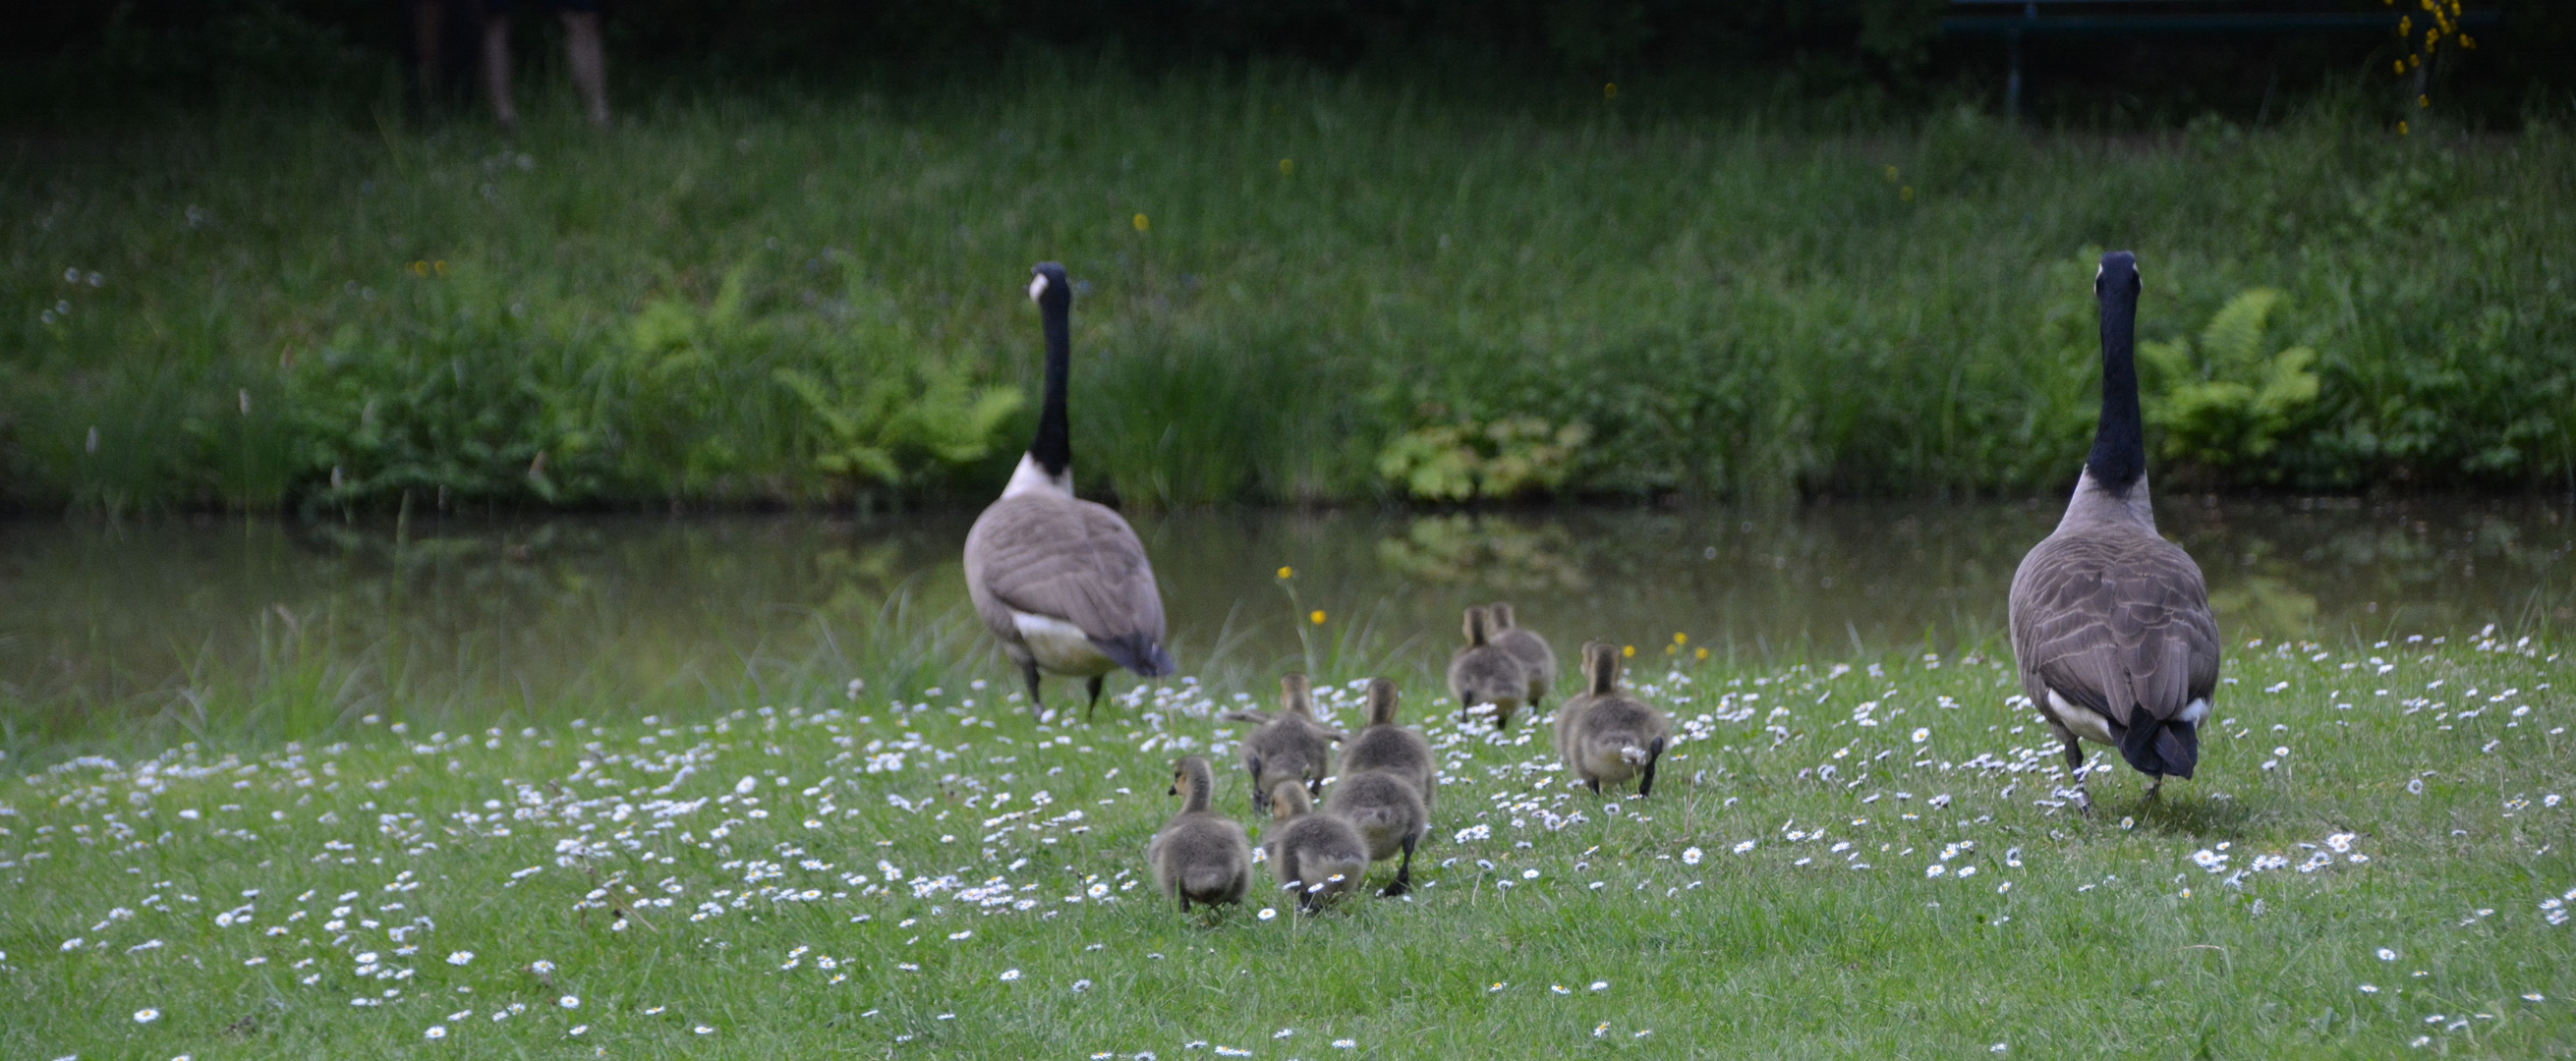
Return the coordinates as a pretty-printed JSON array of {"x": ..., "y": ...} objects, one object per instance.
[
  {"x": 1353, "y": 1044},
  {"x": 569, "y": 1002},
  {"x": 1080, "y": 986},
  {"x": 435, "y": 1033},
  {"x": 1921, "y": 735},
  {"x": 578, "y": 1029},
  {"x": 1601, "y": 985},
  {"x": 1267, "y": 913},
  {"x": 460, "y": 957},
  {"x": 2387, "y": 955},
  {"x": 146, "y": 1015},
  {"x": 1009, "y": 975},
  {"x": 1690, "y": 856},
  {"x": 1744, "y": 847}
]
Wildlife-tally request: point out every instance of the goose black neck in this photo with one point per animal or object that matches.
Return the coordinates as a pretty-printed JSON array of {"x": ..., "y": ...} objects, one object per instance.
[
  {"x": 2119, "y": 456},
  {"x": 1054, "y": 446}
]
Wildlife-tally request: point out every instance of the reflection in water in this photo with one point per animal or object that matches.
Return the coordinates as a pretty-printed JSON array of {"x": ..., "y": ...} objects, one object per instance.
[
  {"x": 488, "y": 620},
  {"x": 1483, "y": 550}
]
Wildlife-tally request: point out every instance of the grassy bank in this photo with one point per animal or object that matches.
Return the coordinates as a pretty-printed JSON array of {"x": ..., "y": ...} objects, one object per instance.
[
  {"x": 1863, "y": 858},
  {"x": 1295, "y": 286}
]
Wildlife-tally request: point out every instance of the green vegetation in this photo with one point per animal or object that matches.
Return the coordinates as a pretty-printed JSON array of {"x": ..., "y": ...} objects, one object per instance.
[
  {"x": 1289, "y": 279},
  {"x": 1860, "y": 858}
]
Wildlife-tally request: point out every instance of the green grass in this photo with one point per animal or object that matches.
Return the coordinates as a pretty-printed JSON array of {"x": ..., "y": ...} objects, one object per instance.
[
  {"x": 125, "y": 882},
  {"x": 724, "y": 299}
]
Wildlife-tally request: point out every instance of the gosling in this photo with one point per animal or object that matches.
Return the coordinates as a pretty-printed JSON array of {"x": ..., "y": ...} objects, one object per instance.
[
  {"x": 1607, "y": 735},
  {"x": 1287, "y": 747},
  {"x": 1484, "y": 673},
  {"x": 1318, "y": 856},
  {"x": 1389, "y": 814},
  {"x": 1537, "y": 660},
  {"x": 1199, "y": 857},
  {"x": 1390, "y": 748}
]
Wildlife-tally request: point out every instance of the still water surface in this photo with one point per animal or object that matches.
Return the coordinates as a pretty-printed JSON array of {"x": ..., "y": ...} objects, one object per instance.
[{"x": 501, "y": 619}]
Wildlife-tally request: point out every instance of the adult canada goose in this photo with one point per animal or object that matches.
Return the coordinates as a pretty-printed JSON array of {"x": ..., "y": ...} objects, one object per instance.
[
  {"x": 1389, "y": 813},
  {"x": 1484, "y": 673},
  {"x": 1383, "y": 745},
  {"x": 1289, "y": 746},
  {"x": 1062, "y": 583},
  {"x": 1538, "y": 661},
  {"x": 1607, "y": 735},
  {"x": 1316, "y": 855},
  {"x": 1199, "y": 857},
  {"x": 2110, "y": 622}
]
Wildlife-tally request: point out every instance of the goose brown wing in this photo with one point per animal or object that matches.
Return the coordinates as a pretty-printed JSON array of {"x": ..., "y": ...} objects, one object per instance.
[
  {"x": 2113, "y": 622},
  {"x": 1074, "y": 560}
]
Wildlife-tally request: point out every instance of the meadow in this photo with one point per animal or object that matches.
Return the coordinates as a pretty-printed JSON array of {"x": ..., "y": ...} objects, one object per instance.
[
  {"x": 1867, "y": 855},
  {"x": 1294, "y": 287}
]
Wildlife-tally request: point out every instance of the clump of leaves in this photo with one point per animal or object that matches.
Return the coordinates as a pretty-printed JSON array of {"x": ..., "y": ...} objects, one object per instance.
[
  {"x": 878, "y": 424},
  {"x": 1494, "y": 462},
  {"x": 2223, "y": 401}
]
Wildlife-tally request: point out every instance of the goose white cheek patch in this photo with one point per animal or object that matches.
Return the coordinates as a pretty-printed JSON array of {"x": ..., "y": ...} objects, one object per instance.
[{"x": 1037, "y": 287}]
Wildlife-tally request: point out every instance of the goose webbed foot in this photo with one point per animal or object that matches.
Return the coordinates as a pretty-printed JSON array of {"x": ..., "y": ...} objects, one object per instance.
[{"x": 2156, "y": 788}]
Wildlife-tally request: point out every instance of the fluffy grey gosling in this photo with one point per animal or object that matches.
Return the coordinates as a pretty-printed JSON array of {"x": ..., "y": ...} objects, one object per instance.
[
  {"x": 1389, "y": 814},
  {"x": 1483, "y": 673},
  {"x": 1317, "y": 856},
  {"x": 1607, "y": 735},
  {"x": 1199, "y": 857},
  {"x": 1538, "y": 661},
  {"x": 1391, "y": 748},
  {"x": 1289, "y": 746}
]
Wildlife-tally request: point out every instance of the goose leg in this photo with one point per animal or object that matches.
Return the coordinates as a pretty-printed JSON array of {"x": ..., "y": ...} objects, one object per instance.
[
  {"x": 1029, "y": 674},
  {"x": 2075, "y": 771},
  {"x": 2156, "y": 788},
  {"x": 1403, "y": 872},
  {"x": 1098, "y": 681}
]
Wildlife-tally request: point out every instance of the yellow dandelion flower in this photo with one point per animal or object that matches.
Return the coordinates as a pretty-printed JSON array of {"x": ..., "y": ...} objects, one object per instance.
[
  {"x": 2400, "y": 64},
  {"x": 1143, "y": 223},
  {"x": 1627, "y": 650},
  {"x": 1670, "y": 649},
  {"x": 1287, "y": 572},
  {"x": 2401, "y": 128},
  {"x": 1287, "y": 166},
  {"x": 1891, "y": 174},
  {"x": 1906, "y": 193},
  {"x": 2423, "y": 101},
  {"x": 439, "y": 267},
  {"x": 1316, "y": 617},
  {"x": 2468, "y": 42},
  {"x": 1681, "y": 639},
  {"x": 1610, "y": 91},
  {"x": 1699, "y": 653}
]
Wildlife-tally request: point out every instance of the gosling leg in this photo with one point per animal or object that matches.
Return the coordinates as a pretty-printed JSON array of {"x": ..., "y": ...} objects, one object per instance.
[
  {"x": 1403, "y": 872},
  {"x": 1646, "y": 784},
  {"x": 1098, "y": 681}
]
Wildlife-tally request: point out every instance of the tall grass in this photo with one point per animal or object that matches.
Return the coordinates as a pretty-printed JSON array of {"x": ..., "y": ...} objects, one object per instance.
[{"x": 1281, "y": 273}]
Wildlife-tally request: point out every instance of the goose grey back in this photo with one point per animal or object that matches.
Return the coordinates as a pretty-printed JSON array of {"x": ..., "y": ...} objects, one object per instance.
[
  {"x": 1063, "y": 584},
  {"x": 2111, "y": 627}
]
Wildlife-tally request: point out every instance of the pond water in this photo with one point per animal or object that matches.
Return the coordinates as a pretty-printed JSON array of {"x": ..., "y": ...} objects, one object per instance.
[{"x": 527, "y": 617}]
